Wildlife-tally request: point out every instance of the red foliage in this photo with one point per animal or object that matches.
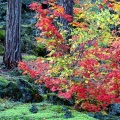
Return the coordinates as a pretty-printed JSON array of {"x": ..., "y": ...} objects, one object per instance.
[{"x": 100, "y": 73}]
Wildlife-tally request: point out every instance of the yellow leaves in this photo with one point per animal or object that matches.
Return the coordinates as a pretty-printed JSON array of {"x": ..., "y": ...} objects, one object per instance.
[
  {"x": 60, "y": 9},
  {"x": 25, "y": 72},
  {"x": 116, "y": 6},
  {"x": 39, "y": 39},
  {"x": 79, "y": 24},
  {"x": 104, "y": 113},
  {"x": 50, "y": 59},
  {"x": 82, "y": 15},
  {"x": 51, "y": 40},
  {"x": 112, "y": 0},
  {"x": 54, "y": 70},
  {"x": 116, "y": 17},
  {"x": 50, "y": 54},
  {"x": 86, "y": 81}
]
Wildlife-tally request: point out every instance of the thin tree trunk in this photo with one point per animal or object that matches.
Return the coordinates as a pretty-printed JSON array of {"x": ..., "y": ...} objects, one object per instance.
[
  {"x": 13, "y": 43},
  {"x": 68, "y": 6}
]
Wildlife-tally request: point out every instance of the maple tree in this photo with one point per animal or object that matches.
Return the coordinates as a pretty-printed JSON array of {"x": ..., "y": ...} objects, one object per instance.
[{"x": 90, "y": 71}]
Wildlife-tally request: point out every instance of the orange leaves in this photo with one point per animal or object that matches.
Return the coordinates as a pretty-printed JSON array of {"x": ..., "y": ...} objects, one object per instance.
[
  {"x": 76, "y": 24},
  {"x": 116, "y": 6},
  {"x": 77, "y": 11},
  {"x": 41, "y": 40},
  {"x": 60, "y": 9},
  {"x": 80, "y": 25}
]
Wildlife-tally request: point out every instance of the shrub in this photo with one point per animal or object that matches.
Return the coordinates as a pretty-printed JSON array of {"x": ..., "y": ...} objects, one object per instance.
[{"x": 87, "y": 66}]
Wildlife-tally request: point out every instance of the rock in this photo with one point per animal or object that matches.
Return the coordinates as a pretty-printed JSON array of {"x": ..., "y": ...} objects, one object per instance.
[
  {"x": 12, "y": 91},
  {"x": 53, "y": 98},
  {"x": 64, "y": 109},
  {"x": 98, "y": 115},
  {"x": 42, "y": 89},
  {"x": 20, "y": 90},
  {"x": 68, "y": 114},
  {"x": 114, "y": 109},
  {"x": 34, "y": 109},
  {"x": 28, "y": 91}
]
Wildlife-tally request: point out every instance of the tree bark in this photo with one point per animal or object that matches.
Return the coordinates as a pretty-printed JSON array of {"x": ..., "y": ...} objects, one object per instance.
[
  {"x": 13, "y": 43},
  {"x": 68, "y": 6}
]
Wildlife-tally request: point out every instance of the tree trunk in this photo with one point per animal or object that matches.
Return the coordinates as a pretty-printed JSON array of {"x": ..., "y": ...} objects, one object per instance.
[
  {"x": 13, "y": 43},
  {"x": 68, "y": 6}
]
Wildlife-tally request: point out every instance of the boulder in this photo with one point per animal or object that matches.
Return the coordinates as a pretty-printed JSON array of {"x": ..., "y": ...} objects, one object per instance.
[
  {"x": 114, "y": 109},
  {"x": 19, "y": 90}
]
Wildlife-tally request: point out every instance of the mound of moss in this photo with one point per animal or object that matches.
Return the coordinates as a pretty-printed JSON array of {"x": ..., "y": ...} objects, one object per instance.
[
  {"x": 19, "y": 90},
  {"x": 45, "y": 112}
]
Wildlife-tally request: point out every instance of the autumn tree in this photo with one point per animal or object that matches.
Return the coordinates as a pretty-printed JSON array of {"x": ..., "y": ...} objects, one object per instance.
[{"x": 13, "y": 43}]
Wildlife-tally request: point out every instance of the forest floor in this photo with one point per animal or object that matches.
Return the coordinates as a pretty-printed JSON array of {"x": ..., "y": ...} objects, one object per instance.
[
  {"x": 11, "y": 110},
  {"x": 44, "y": 110}
]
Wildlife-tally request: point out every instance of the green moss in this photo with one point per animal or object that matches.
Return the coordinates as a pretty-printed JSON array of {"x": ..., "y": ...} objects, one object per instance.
[
  {"x": 1, "y": 50},
  {"x": 29, "y": 57},
  {"x": 3, "y": 82},
  {"x": 50, "y": 112},
  {"x": 2, "y": 34}
]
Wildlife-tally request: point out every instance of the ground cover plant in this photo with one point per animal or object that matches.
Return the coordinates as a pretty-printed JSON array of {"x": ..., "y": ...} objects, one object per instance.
[
  {"x": 10, "y": 110},
  {"x": 86, "y": 66}
]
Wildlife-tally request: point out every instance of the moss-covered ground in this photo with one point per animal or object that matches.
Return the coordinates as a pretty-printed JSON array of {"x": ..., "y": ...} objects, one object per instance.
[{"x": 19, "y": 111}]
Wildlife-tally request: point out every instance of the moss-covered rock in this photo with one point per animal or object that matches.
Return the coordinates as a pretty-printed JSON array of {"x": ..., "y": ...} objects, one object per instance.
[
  {"x": 45, "y": 112},
  {"x": 19, "y": 90},
  {"x": 28, "y": 91}
]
